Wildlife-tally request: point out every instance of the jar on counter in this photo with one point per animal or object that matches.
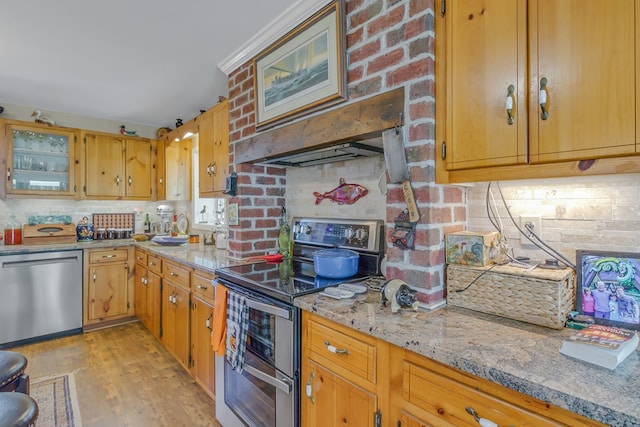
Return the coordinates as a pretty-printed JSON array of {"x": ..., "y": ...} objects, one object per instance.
[
  {"x": 84, "y": 230},
  {"x": 13, "y": 232}
]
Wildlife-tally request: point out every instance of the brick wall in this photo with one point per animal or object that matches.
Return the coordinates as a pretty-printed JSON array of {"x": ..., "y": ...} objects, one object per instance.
[{"x": 390, "y": 44}]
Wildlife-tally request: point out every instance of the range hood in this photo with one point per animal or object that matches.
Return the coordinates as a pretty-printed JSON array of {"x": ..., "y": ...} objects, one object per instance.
[{"x": 334, "y": 153}]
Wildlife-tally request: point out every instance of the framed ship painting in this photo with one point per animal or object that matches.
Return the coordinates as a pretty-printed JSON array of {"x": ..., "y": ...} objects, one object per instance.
[
  {"x": 303, "y": 71},
  {"x": 608, "y": 287}
]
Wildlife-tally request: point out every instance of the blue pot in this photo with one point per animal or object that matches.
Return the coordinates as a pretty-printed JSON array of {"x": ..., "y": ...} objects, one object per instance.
[{"x": 335, "y": 263}]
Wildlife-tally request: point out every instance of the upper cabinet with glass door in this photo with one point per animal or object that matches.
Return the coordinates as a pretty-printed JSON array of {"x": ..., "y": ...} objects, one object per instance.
[{"x": 40, "y": 161}]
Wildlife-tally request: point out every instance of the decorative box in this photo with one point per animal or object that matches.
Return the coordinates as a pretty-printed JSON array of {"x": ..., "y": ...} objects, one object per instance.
[
  {"x": 471, "y": 248},
  {"x": 541, "y": 296},
  {"x": 46, "y": 234}
]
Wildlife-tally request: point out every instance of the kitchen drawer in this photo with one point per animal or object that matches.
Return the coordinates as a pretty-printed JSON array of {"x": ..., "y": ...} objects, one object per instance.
[
  {"x": 176, "y": 274},
  {"x": 334, "y": 346},
  {"x": 141, "y": 257},
  {"x": 202, "y": 286},
  {"x": 108, "y": 255},
  {"x": 154, "y": 264},
  {"x": 445, "y": 401}
]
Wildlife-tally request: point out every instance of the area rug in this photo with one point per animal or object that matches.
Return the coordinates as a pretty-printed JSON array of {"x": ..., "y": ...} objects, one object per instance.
[{"x": 57, "y": 401}]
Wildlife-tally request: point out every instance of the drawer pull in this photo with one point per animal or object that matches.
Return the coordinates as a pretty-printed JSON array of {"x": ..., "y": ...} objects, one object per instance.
[
  {"x": 335, "y": 350},
  {"x": 152, "y": 263},
  {"x": 309, "y": 390},
  {"x": 204, "y": 288},
  {"x": 108, "y": 256},
  {"x": 482, "y": 421},
  {"x": 172, "y": 274}
]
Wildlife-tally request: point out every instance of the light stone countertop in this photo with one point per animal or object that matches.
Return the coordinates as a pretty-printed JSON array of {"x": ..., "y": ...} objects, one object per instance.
[
  {"x": 194, "y": 255},
  {"x": 517, "y": 355}
]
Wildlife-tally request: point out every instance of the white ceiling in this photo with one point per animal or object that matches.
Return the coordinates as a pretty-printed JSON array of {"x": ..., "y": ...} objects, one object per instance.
[{"x": 141, "y": 61}]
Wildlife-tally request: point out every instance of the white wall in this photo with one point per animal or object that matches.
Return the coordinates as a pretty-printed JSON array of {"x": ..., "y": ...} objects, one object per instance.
[{"x": 21, "y": 112}]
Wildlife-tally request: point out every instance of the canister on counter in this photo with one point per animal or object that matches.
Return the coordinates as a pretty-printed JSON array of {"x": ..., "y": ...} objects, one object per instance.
[
  {"x": 13, "y": 232},
  {"x": 194, "y": 238}
]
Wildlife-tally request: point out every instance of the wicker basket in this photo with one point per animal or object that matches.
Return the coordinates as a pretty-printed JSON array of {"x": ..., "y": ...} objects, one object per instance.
[{"x": 542, "y": 296}]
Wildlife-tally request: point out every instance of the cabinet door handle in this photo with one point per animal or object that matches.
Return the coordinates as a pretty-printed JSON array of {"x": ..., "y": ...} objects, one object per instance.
[
  {"x": 213, "y": 168},
  {"x": 204, "y": 288},
  {"x": 482, "y": 421},
  {"x": 130, "y": 181},
  {"x": 8, "y": 174},
  {"x": 508, "y": 105},
  {"x": 542, "y": 99},
  {"x": 208, "y": 321},
  {"x": 117, "y": 180},
  {"x": 335, "y": 350},
  {"x": 309, "y": 390}
]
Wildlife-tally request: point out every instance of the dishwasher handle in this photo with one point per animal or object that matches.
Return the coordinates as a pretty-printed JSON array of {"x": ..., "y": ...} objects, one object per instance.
[{"x": 43, "y": 261}]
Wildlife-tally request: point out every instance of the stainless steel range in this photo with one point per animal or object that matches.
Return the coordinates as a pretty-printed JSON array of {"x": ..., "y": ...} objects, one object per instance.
[{"x": 267, "y": 392}]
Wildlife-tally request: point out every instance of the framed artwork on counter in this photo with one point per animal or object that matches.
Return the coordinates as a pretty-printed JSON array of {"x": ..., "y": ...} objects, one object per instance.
[
  {"x": 608, "y": 287},
  {"x": 303, "y": 71}
]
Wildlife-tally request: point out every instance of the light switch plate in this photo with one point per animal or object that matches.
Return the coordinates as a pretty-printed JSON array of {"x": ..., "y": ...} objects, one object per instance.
[{"x": 537, "y": 227}]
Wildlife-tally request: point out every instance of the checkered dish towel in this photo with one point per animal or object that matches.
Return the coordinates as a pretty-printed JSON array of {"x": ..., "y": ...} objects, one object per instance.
[{"x": 237, "y": 325}]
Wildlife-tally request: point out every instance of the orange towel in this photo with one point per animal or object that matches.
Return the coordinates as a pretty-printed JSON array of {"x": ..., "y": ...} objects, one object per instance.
[{"x": 218, "y": 334}]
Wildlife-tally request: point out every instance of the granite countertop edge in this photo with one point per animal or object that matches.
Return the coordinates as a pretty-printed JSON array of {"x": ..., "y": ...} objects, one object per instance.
[{"x": 517, "y": 355}]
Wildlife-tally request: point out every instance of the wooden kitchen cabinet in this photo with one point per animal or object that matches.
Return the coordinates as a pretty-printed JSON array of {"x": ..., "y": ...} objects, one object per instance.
[
  {"x": 202, "y": 305},
  {"x": 501, "y": 50},
  {"x": 108, "y": 286},
  {"x": 213, "y": 150},
  {"x": 147, "y": 291},
  {"x": 341, "y": 376},
  {"x": 117, "y": 167},
  {"x": 177, "y": 165},
  {"x": 427, "y": 393},
  {"x": 160, "y": 179},
  {"x": 40, "y": 159},
  {"x": 175, "y": 303}
]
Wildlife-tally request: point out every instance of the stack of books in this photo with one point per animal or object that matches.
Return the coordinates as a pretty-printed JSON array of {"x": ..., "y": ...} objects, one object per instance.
[{"x": 601, "y": 345}]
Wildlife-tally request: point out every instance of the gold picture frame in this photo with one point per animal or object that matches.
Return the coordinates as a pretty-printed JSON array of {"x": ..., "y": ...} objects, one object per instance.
[{"x": 304, "y": 71}]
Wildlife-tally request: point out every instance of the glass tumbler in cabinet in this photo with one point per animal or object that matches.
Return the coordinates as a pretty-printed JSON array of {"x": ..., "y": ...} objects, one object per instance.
[{"x": 41, "y": 161}]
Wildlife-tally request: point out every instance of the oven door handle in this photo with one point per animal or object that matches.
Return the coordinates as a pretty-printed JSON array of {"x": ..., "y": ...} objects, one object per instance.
[
  {"x": 279, "y": 384},
  {"x": 267, "y": 308}
]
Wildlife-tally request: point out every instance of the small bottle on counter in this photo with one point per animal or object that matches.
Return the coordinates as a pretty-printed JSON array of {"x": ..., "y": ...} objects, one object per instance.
[
  {"x": 174, "y": 226},
  {"x": 284, "y": 236},
  {"x": 147, "y": 224},
  {"x": 13, "y": 232}
]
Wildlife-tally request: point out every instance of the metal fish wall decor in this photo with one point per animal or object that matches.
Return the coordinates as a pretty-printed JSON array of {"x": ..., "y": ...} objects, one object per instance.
[{"x": 343, "y": 194}]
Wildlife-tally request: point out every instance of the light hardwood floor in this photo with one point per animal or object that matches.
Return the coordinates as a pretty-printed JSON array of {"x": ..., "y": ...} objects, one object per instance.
[{"x": 124, "y": 377}]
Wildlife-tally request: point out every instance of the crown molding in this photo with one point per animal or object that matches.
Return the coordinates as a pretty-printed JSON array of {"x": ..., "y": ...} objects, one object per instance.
[{"x": 285, "y": 22}]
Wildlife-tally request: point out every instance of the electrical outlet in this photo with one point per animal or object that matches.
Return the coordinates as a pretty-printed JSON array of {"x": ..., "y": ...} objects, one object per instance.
[{"x": 536, "y": 221}]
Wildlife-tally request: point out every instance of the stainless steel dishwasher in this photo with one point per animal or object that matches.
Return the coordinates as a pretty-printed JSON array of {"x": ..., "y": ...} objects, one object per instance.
[{"x": 40, "y": 296}]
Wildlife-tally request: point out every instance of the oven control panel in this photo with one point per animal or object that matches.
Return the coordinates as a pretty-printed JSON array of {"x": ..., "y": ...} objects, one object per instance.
[{"x": 363, "y": 235}]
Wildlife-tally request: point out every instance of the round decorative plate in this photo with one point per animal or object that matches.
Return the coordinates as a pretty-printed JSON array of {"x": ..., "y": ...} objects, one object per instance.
[{"x": 162, "y": 132}]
